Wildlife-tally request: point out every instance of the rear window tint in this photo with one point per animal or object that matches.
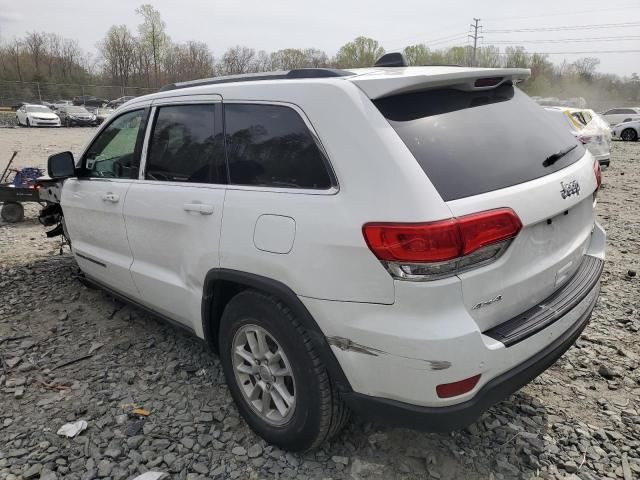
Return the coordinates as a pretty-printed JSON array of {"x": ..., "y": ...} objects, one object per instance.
[
  {"x": 271, "y": 146},
  {"x": 183, "y": 146},
  {"x": 470, "y": 143}
]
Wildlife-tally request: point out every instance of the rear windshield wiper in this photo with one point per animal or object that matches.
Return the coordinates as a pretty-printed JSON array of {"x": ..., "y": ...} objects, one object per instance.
[{"x": 551, "y": 159}]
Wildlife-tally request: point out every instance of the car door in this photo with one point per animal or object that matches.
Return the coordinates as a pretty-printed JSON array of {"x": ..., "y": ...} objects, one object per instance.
[
  {"x": 21, "y": 114},
  {"x": 93, "y": 202},
  {"x": 174, "y": 212},
  {"x": 612, "y": 116}
]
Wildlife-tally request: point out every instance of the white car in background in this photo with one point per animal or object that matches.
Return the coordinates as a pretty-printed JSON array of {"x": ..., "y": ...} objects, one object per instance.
[
  {"x": 627, "y": 131},
  {"x": 618, "y": 115},
  {"x": 37, "y": 116},
  {"x": 588, "y": 127}
]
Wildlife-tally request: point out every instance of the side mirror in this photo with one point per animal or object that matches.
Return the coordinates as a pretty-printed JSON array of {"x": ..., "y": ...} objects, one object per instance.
[{"x": 61, "y": 165}]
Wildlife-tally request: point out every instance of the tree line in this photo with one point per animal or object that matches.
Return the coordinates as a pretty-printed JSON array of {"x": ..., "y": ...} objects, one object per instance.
[{"x": 149, "y": 58}]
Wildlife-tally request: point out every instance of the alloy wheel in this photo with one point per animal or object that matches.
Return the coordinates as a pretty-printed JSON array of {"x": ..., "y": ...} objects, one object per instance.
[{"x": 264, "y": 374}]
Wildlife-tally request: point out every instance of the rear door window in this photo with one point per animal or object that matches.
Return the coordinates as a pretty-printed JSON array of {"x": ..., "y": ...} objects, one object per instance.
[
  {"x": 184, "y": 146},
  {"x": 470, "y": 143},
  {"x": 271, "y": 146}
]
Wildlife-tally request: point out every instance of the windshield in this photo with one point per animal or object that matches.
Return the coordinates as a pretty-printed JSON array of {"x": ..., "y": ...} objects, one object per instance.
[
  {"x": 38, "y": 109},
  {"x": 470, "y": 143},
  {"x": 76, "y": 110}
]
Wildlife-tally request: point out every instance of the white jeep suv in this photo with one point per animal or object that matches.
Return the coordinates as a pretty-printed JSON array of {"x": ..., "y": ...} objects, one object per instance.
[{"x": 410, "y": 243}]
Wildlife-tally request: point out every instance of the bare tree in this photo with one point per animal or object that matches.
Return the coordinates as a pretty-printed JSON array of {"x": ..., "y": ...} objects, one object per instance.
[
  {"x": 36, "y": 44},
  {"x": 237, "y": 60},
  {"x": 585, "y": 68},
  {"x": 315, "y": 58},
  {"x": 288, "y": 59},
  {"x": 15, "y": 49},
  {"x": 153, "y": 36},
  {"x": 118, "y": 50},
  {"x": 262, "y": 62},
  {"x": 361, "y": 52},
  {"x": 417, "y": 54}
]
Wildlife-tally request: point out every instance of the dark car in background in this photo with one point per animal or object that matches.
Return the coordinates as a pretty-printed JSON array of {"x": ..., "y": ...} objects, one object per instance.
[
  {"x": 89, "y": 100},
  {"x": 73, "y": 115},
  {"x": 119, "y": 101}
]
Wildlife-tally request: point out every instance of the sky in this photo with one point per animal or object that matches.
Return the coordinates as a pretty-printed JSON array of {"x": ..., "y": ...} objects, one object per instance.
[{"x": 328, "y": 24}]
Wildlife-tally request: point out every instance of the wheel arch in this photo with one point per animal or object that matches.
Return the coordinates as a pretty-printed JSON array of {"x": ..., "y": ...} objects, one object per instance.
[{"x": 221, "y": 285}]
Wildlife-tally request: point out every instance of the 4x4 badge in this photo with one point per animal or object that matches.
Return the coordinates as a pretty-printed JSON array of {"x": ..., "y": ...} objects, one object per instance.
[{"x": 570, "y": 188}]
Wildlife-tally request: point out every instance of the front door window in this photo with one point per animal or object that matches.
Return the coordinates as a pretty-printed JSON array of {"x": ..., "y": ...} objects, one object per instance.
[{"x": 115, "y": 153}]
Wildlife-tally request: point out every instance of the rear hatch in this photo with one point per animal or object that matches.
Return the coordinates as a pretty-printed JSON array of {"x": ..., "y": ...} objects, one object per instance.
[{"x": 492, "y": 148}]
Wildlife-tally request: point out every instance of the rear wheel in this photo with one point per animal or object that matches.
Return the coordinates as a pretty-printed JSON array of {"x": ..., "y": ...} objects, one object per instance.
[
  {"x": 629, "y": 135},
  {"x": 276, "y": 377},
  {"x": 12, "y": 212}
]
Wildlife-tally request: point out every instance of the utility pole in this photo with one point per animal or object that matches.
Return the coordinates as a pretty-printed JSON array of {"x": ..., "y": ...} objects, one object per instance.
[{"x": 476, "y": 28}]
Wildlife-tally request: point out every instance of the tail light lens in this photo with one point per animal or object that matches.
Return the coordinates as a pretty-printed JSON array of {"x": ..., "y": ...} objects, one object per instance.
[
  {"x": 584, "y": 139},
  {"x": 426, "y": 251},
  {"x": 597, "y": 171}
]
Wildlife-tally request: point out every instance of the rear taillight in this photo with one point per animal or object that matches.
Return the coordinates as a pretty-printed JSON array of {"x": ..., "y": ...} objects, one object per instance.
[
  {"x": 584, "y": 139},
  {"x": 597, "y": 171},
  {"x": 425, "y": 251}
]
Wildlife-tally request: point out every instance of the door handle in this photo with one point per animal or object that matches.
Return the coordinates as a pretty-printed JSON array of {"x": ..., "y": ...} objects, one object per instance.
[
  {"x": 202, "y": 208},
  {"x": 111, "y": 197}
]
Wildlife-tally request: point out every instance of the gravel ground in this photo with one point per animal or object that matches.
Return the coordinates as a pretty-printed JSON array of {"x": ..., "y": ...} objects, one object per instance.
[
  {"x": 34, "y": 145},
  {"x": 69, "y": 353}
]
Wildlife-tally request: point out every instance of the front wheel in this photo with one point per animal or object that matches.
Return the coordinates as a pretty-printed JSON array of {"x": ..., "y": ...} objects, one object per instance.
[
  {"x": 28, "y": 123},
  {"x": 276, "y": 377},
  {"x": 629, "y": 135}
]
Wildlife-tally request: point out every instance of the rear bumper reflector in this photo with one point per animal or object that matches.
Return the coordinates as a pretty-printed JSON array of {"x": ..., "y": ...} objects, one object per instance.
[{"x": 553, "y": 308}]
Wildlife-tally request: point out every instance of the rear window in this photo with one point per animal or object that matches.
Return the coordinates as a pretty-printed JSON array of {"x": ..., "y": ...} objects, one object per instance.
[{"x": 470, "y": 143}]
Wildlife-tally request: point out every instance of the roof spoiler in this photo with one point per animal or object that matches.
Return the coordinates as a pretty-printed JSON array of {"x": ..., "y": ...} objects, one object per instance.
[{"x": 379, "y": 84}]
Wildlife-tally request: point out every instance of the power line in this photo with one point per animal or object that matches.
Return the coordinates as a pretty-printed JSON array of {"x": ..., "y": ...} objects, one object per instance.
[
  {"x": 567, "y": 40},
  {"x": 564, "y": 28},
  {"x": 565, "y": 12},
  {"x": 437, "y": 41},
  {"x": 575, "y": 53}
]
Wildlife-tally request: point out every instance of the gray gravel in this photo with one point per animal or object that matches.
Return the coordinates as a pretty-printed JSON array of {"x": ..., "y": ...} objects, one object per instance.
[{"x": 70, "y": 353}]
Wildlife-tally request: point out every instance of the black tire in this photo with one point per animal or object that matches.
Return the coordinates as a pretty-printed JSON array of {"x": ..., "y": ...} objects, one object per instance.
[
  {"x": 66, "y": 123},
  {"x": 28, "y": 123},
  {"x": 12, "y": 212},
  {"x": 629, "y": 135},
  {"x": 319, "y": 413}
]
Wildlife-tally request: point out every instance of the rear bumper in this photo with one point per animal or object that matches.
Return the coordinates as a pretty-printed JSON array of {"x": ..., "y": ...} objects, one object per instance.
[
  {"x": 394, "y": 356},
  {"x": 453, "y": 417}
]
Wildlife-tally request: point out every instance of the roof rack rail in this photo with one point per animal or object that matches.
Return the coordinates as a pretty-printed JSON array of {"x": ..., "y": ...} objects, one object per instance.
[
  {"x": 393, "y": 59},
  {"x": 296, "y": 73}
]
